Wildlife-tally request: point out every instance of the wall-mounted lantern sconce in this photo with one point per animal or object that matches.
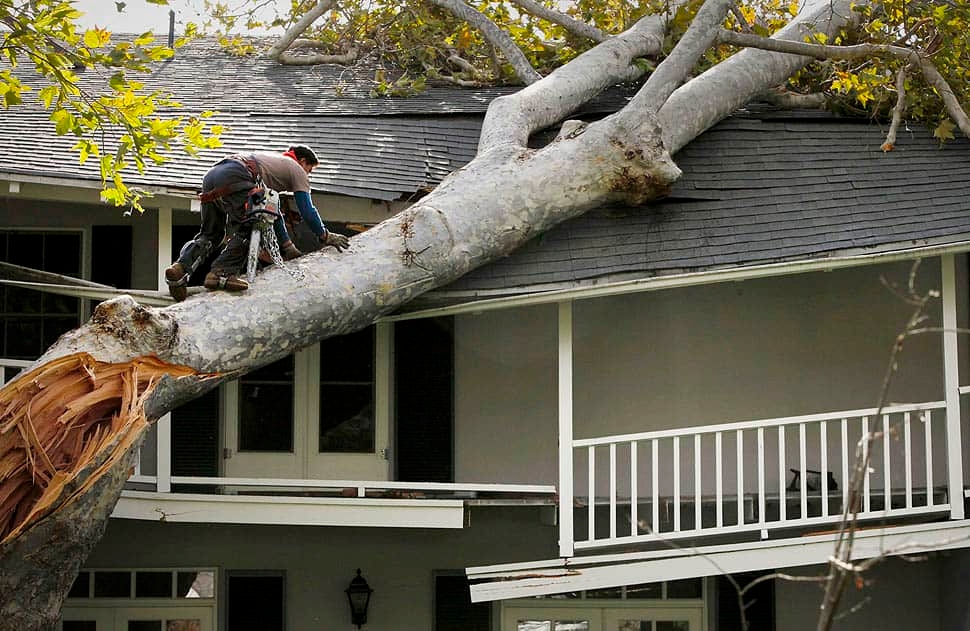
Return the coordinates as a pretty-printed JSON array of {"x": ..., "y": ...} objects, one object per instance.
[{"x": 358, "y": 593}]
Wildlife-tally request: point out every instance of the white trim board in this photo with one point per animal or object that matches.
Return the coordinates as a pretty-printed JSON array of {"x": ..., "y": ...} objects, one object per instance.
[
  {"x": 522, "y": 580},
  {"x": 299, "y": 511}
]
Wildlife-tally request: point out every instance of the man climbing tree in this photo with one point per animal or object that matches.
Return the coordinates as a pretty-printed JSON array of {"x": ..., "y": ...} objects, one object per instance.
[{"x": 695, "y": 63}]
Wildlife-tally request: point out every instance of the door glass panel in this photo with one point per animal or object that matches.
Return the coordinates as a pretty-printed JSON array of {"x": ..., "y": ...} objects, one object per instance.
[
  {"x": 184, "y": 625},
  {"x": 553, "y": 625},
  {"x": 112, "y": 584},
  {"x": 144, "y": 625},
  {"x": 153, "y": 584},
  {"x": 687, "y": 588},
  {"x": 80, "y": 625},
  {"x": 673, "y": 625},
  {"x": 196, "y": 584},
  {"x": 266, "y": 408},
  {"x": 347, "y": 393}
]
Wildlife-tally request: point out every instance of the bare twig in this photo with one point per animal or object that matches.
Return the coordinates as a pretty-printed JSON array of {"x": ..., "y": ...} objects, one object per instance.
[
  {"x": 574, "y": 26},
  {"x": 494, "y": 36}
]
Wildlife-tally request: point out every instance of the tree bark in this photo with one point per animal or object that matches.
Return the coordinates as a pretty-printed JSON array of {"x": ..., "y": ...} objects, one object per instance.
[{"x": 507, "y": 195}]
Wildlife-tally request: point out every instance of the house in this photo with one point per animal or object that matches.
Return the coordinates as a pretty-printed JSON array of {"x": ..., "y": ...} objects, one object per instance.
[{"x": 592, "y": 433}]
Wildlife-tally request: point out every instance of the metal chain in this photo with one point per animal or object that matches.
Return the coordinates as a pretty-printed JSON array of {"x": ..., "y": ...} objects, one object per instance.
[{"x": 263, "y": 232}]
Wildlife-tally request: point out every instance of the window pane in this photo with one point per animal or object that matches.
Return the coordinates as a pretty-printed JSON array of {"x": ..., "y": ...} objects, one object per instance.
[
  {"x": 196, "y": 585},
  {"x": 23, "y": 301},
  {"x": 62, "y": 253},
  {"x": 81, "y": 585},
  {"x": 609, "y": 592},
  {"x": 56, "y": 327},
  {"x": 80, "y": 625},
  {"x": 347, "y": 393},
  {"x": 184, "y": 625},
  {"x": 348, "y": 357},
  {"x": 112, "y": 584},
  {"x": 144, "y": 625},
  {"x": 347, "y": 418},
  {"x": 26, "y": 249},
  {"x": 673, "y": 625},
  {"x": 266, "y": 408},
  {"x": 687, "y": 588},
  {"x": 634, "y": 625},
  {"x": 646, "y": 590},
  {"x": 153, "y": 584}
]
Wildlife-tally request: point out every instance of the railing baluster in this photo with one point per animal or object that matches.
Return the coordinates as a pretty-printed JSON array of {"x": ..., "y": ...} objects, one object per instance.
[
  {"x": 865, "y": 458},
  {"x": 761, "y": 476},
  {"x": 845, "y": 463},
  {"x": 928, "y": 443},
  {"x": 697, "y": 481},
  {"x": 719, "y": 479},
  {"x": 802, "y": 458},
  {"x": 887, "y": 496},
  {"x": 740, "y": 445},
  {"x": 824, "y": 462},
  {"x": 676, "y": 501},
  {"x": 634, "y": 492},
  {"x": 908, "y": 458},
  {"x": 591, "y": 514},
  {"x": 656, "y": 486},
  {"x": 612, "y": 490},
  {"x": 782, "y": 487}
]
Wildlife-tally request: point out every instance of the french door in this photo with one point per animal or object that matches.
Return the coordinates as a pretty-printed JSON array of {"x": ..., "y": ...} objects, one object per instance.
[
  {"x": 321, "y": 413},
  {"x": 566, "y": 618},
  {"x": 136, "y": 619}
]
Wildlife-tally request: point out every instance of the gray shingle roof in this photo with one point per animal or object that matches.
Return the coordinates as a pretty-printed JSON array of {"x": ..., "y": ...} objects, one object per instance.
[
  {"x": 384, "y": 158},
  {"x": 757, "y": 190}
]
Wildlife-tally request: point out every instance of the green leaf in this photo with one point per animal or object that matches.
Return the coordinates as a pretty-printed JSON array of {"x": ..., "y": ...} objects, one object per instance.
[{"x": 944, "y": 131}]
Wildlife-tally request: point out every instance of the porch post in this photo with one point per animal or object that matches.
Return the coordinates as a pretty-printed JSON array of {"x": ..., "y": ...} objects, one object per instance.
[
  {"x": 163, "y": 426},
  {"x": 951, "y": 379},
  {"x": 566, "y": 429}
]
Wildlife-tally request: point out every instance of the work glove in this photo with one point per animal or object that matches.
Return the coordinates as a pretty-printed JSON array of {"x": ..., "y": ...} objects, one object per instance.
[{"x": 338, "y": 241}]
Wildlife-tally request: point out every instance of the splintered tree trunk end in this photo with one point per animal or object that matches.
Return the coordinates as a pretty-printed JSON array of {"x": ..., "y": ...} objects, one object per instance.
[{"x": 69, "y": 431}]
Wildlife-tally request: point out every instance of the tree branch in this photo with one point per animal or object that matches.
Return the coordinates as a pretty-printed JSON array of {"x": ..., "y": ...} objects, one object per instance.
[
  {"x": 898, "y": 109},
  {"x": 574, "y": 26},
  {"x": 783, "y": 97},
  {"x": 494, "y": 36},
  {"x": 298, "y": 29},
  {"x": 721, "y": 90},
  {"x": 511, "y": 119},
  {"x": 671, "y": 72},
  {"x": 861, "y": 51}
]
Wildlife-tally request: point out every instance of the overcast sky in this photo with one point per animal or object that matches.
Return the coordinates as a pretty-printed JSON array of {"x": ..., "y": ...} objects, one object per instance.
[{"x": 139, "y": 16}]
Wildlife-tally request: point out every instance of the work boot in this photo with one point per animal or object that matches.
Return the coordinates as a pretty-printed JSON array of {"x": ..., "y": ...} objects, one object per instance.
[
  {"x": 228, "y": 282},
  {"x": 290, "y": 251},
  {"x": 178, "y": 281}
]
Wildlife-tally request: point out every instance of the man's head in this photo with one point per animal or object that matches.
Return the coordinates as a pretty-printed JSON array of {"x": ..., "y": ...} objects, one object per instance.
[{"x": 304, "y": 155}]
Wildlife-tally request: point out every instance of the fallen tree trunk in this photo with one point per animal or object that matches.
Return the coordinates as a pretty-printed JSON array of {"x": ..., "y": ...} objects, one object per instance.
[{"x": 507, "y": 195}]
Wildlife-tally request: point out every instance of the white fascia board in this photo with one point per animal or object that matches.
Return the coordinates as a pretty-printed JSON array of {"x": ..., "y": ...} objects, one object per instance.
[
  {"x": 671, "y": 281},
  {"x": 523, "y": 580},
  {"x": 293, "y": 511},
  {"x": 69, "y": 182}
]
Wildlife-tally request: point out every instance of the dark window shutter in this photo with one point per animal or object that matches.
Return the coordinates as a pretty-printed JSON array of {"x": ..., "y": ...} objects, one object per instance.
[
  {"x": 424, "y": 375},
  {"x": 195, "y": 437},
  {"x": 453, "y": 608}
]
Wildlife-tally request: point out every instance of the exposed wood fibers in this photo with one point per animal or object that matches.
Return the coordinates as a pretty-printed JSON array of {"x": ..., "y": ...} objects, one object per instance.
[{"x": 59, "y": 419}]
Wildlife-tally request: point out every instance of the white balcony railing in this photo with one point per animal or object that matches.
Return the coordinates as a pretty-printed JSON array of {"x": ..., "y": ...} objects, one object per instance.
[{"x": 756, "y": 476}]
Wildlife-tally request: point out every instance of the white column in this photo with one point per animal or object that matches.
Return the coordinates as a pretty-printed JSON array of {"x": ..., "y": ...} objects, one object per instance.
[
  {"x": 951, "y": 375},
  {"x": 163, "y": 426},
  {"x": 566, "y": 548},
  {"x": 383, "y": 394}
]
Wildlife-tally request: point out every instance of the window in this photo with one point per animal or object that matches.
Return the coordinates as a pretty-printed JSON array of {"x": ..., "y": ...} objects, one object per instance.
[
  {"x": 168, "y": 584},
  {"x": 30, "y": 321},
  {"x": 266, "y": 408},
  {"x": 347, "y": 393}
]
